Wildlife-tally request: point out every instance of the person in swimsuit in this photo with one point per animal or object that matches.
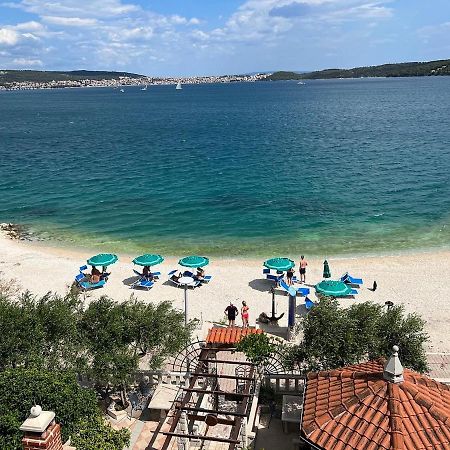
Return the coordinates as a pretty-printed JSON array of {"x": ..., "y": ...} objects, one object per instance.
[
  {"x": 244, "y": 314},
  {"x": 231, "y": 311},
  {"x": 303, "y": 264},
  {"x": 95, "y": 275},
  {"x": 146, "y": 272},
  {"x": 200, "y": 276},
  {"x": 289, "y": 276}
]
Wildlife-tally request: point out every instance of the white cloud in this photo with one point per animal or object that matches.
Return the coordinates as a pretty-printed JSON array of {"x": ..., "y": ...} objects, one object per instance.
[
  {"x": 70, "y": 21},
  {"x": 24, "y": 62},
  {"x": 9, "y": 36},
  {"x": 76, "y": 8}
]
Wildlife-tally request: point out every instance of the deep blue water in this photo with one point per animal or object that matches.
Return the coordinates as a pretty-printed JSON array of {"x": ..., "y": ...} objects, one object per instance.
[{"x": 331, "y": 167}]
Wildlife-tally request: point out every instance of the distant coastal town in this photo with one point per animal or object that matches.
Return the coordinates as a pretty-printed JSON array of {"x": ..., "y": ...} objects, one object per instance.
[
  {"x": 122, "y": 81},
  {"x": 36, "y": 79}
]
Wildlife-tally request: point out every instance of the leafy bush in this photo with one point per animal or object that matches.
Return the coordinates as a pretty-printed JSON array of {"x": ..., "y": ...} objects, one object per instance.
[
  {"x": 334, "y": 337},
  {"x": 55, "y": 391}
]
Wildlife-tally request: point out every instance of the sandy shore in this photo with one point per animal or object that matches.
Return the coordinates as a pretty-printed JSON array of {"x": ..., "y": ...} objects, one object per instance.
[{"x": 419, "y": 281}]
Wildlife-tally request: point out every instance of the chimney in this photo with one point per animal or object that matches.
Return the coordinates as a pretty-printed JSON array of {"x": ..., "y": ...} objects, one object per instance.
[
  {"x": 41, "y": 431},
  {"x": 393, "y": 370}
]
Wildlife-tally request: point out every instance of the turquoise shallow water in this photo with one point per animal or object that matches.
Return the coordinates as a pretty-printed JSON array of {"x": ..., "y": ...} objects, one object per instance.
[{"x": 331, "y": 167}]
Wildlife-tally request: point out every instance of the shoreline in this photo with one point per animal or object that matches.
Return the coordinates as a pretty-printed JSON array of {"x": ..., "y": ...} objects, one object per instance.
[
  {"x": 415, "y": 280},
  {"x": 26, "y": 232}
]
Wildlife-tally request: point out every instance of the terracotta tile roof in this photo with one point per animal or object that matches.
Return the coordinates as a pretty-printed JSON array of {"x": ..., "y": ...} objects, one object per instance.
[
  {"x": 229, "y": 336},
  {"x": 355, "y": 408}
]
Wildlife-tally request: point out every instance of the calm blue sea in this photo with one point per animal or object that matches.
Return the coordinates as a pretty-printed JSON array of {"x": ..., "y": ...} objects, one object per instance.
[{"x": 330, "y": 167}]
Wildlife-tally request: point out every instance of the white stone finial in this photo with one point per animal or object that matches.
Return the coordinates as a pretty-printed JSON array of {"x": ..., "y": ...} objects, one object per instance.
[
  {"x": 35, "y": 411},
  {"x": 38, "y": 420},
  {"x": 393, "y": 370}
]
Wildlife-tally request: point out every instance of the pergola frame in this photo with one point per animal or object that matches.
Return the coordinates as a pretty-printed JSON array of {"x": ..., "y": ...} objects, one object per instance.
[{"x": 242, "y": 412}]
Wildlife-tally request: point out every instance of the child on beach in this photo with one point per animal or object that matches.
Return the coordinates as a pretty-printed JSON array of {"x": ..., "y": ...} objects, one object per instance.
[
  {"x": 244, "y": 314},
  {"x": 289, "y": 276}
]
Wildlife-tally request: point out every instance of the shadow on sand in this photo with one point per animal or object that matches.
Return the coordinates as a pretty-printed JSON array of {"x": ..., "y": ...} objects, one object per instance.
[
  {"x": 261, "y": 285},
  {"x": 130, "y": 280}
]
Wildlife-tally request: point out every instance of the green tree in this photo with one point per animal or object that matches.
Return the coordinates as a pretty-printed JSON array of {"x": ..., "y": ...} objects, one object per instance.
[
  {"x": 258, "y": 348},
  {"x": 39, "y": 332},
  {"x": 56, "y": 391},
  {"x": 117, "y": 335},
  {"x": 334, "y": 337}
]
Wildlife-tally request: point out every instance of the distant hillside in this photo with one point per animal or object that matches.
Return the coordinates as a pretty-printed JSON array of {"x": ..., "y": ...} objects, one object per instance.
[
  {"x": 409, "y": 69},
  {"x": 39, "y": 76}
]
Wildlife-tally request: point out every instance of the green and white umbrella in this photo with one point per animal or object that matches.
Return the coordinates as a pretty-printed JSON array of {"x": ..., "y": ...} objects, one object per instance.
[
  {"x": 282, "y": 264},
  {"x": 148, "y": 260},
  {"x": 193, "y": 261},
  {"x": 333, "y": 288},
  {"x": 102, "y": 259}
]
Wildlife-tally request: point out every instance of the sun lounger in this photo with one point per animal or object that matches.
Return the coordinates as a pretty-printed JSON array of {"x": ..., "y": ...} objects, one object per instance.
[
  {"x": 275, "y": 278},
  {"x": 82, "y": 268},
  {"x": 80, "y": 277},
  {"x": 154, "y": 275},
  {"x": 301, "y": 291},
  {"x": 206, "y": 278},
  {"x": 87, "y": 285},
  {"x": 348, "y": 279},
  {"x": 143, "y": 283},
  {"x": 266, "y": 271},
  {"x": 353, "y": 292},
  {"x": 309, "y": 303},
  {"x": 186, "y": 273}
]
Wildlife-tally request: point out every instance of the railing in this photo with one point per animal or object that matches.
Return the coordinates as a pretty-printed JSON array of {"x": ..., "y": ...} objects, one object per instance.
[{"x": 285, "y": 383}]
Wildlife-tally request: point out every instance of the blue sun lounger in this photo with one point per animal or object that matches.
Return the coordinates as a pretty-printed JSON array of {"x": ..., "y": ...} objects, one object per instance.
[
  {"x": 348, "y": 279},
  {"x": 300, "y": 291},
  {"x": 154, "y": 275},
  {"x": 87, "y": 285},
  {"x": 309, "y": 304},
  {"x": 143, "y": 283}
]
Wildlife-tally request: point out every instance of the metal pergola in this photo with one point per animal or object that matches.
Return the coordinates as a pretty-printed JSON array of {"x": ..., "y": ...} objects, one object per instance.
[{"x": 234, "y": 419}]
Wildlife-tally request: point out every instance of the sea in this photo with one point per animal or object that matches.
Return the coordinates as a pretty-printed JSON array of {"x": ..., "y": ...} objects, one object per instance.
[{"x": 331, "y": 167}]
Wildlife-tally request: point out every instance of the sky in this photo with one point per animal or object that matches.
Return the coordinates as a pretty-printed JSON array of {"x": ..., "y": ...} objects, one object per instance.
[{"x": 208, "y": 37}]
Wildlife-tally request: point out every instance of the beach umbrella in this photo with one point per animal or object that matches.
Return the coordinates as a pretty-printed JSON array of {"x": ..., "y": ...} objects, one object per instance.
[
  {"x": 326, "y": 270},
  {"x": 193, "y": 261},
  {"x": 148, "y": 260},
  {"x": 102, "y": 259},
  {"x": 282, "y": 264},
  {"x": 333, "y": 288}
]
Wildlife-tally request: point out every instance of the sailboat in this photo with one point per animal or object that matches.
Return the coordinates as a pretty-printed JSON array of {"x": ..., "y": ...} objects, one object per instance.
[
  {"x": 144, "y": 88},
  {"x": 179, "y": 86}
]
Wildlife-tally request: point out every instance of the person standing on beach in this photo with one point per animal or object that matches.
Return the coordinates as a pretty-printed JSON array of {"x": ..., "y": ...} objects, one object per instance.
[
  {"x": 290, "y": 276},
  {"x": 303, "y": 264},
  {"x": 231, "y": 311},
  {"x": 244, "y": 314}
]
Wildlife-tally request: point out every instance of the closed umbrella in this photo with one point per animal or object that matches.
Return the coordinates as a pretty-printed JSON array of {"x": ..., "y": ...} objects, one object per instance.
[
  {"x": 193, "y": 261},
  {"x": 326, "y": 270},
  {"x": 282, "y": 264},
  {"x": 333, "y": 288},
  {"x": 148, "y": 260},
  {"x": 102, "y": 259}
]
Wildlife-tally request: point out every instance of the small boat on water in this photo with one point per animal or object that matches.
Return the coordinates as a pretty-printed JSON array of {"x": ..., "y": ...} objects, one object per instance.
[
  {"x": 144, "y": 88},
  {"x": 122, "y": 90},
  {"x": 301, "y": 82},
  {"x": 178, "y": 88}
]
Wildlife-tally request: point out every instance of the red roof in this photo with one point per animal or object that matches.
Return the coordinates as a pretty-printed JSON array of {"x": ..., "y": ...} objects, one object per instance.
[
  {"x": 355, "y": 408},
  {"x": 229, "y": 336}
]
